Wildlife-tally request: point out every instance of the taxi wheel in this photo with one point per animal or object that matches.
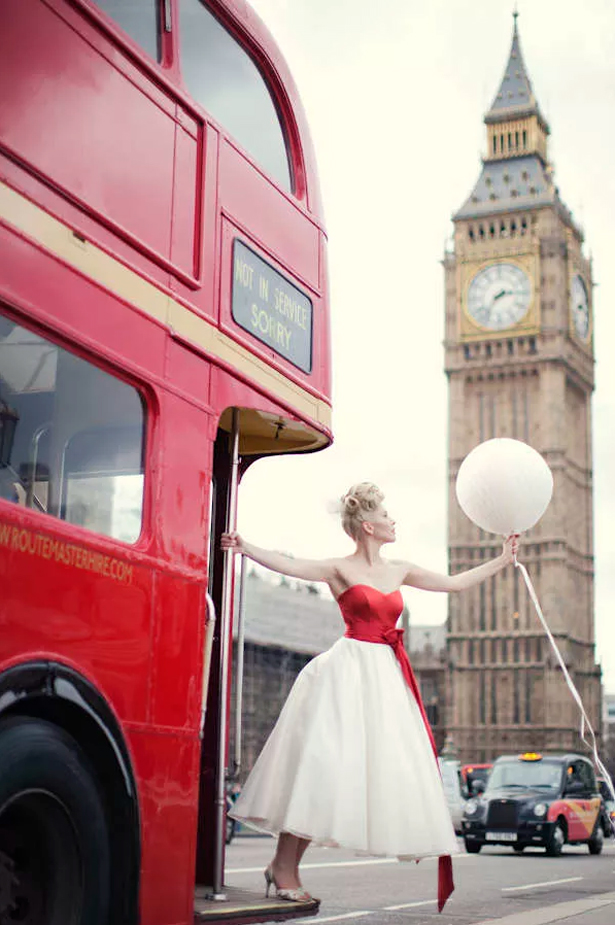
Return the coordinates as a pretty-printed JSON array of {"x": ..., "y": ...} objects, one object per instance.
[
  {"x": 472, "y": 847},
  {"x": 54, "y": 844},
  {"x": 518, "y": 848},
  {"x": 596, "y": 842},
  {"x": 556, "y": 841}
]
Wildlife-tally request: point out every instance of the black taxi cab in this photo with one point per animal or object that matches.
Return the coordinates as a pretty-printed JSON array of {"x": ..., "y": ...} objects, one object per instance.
[{"x": 536, "y": 800}]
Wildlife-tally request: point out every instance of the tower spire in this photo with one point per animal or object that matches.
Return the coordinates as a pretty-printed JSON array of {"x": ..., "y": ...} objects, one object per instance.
[
  {"x": 516, "y": 173},
  {"x": 515, "y": 96}
]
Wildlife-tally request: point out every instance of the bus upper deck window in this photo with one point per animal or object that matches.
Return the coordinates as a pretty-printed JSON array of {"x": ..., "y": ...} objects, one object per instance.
[
  {"x": 221, "y": 76},
  {"x": 139, "y": 18},
  {"x": 71, "y": 436}
]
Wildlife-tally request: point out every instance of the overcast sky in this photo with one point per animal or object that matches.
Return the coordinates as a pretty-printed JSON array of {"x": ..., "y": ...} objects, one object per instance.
[{"x": 395, "y": 94}]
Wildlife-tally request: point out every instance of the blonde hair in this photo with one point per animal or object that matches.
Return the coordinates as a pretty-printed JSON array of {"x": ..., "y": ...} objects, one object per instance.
[{"x": 359, "y": 500}]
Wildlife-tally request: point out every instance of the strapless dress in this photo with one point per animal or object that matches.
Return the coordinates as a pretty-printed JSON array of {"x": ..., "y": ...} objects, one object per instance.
[{"x": 350, "y": 762}]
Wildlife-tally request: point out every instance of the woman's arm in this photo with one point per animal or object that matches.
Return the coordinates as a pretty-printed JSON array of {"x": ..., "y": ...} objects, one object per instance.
[
  {"x": 432, "y": 581},
  {"x": 307, "y": 569}
]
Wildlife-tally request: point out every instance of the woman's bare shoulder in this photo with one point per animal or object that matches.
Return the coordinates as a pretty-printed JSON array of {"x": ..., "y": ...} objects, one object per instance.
[
  {"x": 400, "y": 566},
  {"x": 340, "y": 565}
]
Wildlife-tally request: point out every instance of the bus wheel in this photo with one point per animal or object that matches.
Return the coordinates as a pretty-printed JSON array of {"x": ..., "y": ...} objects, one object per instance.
[{"x": 54, "y": 845}]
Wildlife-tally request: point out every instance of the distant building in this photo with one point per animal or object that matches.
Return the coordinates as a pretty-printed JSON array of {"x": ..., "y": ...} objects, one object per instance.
[{"x": 286, "y": 625}]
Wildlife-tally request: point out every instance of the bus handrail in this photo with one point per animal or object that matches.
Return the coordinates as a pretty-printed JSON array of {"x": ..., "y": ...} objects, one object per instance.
[
  {"x": 225, "y": 627},
  {"x": 241, "y": 632},
  {"x": 210, "y": 626}
]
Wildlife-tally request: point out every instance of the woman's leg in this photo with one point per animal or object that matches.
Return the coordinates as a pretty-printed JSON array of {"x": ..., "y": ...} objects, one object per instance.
[
  {"x": 302, "y": 844},
  {"x": 284, "y": 864}
]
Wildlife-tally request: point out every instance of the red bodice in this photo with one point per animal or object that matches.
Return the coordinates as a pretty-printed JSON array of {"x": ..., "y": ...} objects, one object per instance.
[{"x": 370, "y": 615}]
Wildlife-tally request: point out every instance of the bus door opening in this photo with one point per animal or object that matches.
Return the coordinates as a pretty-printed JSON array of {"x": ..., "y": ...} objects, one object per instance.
[{"x": 243, "y": 436}]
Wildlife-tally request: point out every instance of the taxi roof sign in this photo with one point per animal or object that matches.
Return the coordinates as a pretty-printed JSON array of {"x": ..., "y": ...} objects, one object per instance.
[{"x": 530, "y": 756}]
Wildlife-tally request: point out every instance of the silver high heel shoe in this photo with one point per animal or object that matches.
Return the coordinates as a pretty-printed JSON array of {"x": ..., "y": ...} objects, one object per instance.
[{"x": 294, "y": 896}]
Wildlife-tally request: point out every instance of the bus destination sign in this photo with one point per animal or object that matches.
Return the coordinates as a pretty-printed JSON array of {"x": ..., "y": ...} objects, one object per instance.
[{"x": 271, "y": 308}]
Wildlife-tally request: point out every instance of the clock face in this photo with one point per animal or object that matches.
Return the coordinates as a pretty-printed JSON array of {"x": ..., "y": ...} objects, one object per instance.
[
  {"x": 499, "y": 296},
  {"x": 579, "y": 306}
]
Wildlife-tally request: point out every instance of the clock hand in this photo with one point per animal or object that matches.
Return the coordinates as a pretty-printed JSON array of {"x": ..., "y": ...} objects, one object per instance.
[{"x": 502, "y": 293}]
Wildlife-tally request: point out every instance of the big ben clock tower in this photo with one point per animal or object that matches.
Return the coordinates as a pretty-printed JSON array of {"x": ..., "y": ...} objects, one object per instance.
[{"x": 519, "y": 360}]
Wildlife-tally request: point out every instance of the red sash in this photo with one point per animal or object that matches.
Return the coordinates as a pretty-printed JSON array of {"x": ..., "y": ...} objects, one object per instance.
[{"x": 395, "y": 639}]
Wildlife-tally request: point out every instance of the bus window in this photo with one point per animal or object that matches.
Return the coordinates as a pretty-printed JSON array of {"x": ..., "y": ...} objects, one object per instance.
[
  {"x": 220, "y": 75},
  {"x": 139, "y": 18},
  {"x": 71, "y": 436}
]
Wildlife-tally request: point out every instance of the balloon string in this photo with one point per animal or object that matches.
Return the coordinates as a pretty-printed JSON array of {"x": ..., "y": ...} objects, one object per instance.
[{"x": 585, "y": 722}]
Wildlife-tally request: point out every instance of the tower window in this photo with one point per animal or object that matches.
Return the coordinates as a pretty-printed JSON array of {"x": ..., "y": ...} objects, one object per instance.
[
  {"x": 471, "y": 234},
  {"x": 502, "y": 143},
  {"x": 491, "y": 231},
  {"x": 524, "y": 138},
  {"x": 516, "y": 699},
  {"x": 513, "y": 228},
  {"x": 481, "y": 231},
  {"x": 509, "y": 141},
  {"x": 495, "y": 145},
  {"x": 516, "y": 139}
]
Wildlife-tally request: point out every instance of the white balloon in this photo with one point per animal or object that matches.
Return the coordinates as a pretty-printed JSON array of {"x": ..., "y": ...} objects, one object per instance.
[{"x": 504, "y": 486}]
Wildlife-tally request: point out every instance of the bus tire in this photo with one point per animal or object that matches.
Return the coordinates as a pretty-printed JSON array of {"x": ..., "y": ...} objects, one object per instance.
[{"x": 54, "y": 842}]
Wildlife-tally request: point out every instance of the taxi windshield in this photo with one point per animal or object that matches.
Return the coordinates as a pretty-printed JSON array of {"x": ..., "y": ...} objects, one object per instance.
[{"x": 522, "y": 774}]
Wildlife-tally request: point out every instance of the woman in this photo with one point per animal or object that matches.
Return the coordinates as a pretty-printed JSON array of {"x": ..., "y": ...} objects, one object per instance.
[{"x": 351, "y": 761}]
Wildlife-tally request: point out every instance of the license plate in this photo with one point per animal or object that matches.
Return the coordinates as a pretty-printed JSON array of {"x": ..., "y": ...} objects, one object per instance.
[{"x": 501, "y": 836}]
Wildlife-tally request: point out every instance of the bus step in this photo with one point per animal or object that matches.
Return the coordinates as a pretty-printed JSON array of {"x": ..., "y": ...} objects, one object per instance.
[{"x": 246, "y": 906}]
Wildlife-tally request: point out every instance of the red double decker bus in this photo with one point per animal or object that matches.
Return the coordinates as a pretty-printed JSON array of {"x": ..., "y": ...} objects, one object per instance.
[{"x": 163, "y": 324}]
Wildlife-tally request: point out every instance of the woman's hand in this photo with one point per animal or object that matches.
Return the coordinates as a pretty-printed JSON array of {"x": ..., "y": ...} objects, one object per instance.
[
  {"x": 510, "y": 548},
  {"x": 232, "y": 541}
]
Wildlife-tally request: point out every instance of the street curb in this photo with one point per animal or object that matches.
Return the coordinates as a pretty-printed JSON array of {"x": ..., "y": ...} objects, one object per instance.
[{"x": 556, "y": 913}]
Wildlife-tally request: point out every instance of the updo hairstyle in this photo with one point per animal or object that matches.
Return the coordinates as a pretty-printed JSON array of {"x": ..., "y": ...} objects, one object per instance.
[{"x": 358, "y": 501}]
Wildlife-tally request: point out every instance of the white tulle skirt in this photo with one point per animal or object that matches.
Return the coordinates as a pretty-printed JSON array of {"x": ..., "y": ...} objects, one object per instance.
[{"x": 349, "y": 762}]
